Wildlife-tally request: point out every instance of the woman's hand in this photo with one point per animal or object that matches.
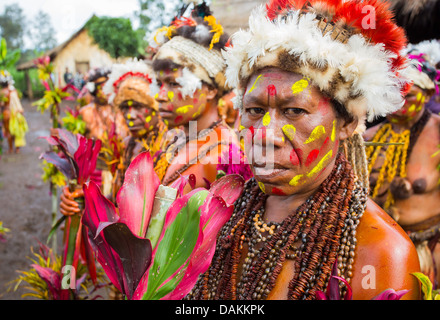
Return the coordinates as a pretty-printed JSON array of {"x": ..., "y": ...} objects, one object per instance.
[{"x": 68, "y": 205}]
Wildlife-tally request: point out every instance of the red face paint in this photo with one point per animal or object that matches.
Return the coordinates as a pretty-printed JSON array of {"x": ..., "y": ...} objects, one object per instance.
[
  {"x": 278, "y": 192},
  {"x": 272, "y": 90},
  {"x": 295, "y": 157},
  {"x": 312, "y": 157},
  {"x": 178, "y": 119},
  {"x": 179, "y": 95},
  {"x": 323, "y": 106},
  {"x": 324, "y": 144},
  {"x": 195, "y": 101}
]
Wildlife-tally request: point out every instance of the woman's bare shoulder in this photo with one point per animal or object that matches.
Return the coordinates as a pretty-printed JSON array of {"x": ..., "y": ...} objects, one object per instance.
[{"x": 385, "y": 256}]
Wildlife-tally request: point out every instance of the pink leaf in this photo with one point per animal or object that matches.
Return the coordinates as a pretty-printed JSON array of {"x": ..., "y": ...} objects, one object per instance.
[{"x": 136, "y": 197}]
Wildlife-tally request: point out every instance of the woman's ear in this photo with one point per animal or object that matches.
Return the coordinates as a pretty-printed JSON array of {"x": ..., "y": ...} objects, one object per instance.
[
  {"x": 347, "y": 128},
  {"x": 211, "y": 92}
]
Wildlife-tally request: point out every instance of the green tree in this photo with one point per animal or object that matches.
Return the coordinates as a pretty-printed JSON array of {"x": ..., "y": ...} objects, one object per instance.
[
  {"x": 42, "y": 32},
  {"x": 154, "y": 14},
  {"x": 8, "y": 59},
  {"x": 114, "y": 35},
  {"x": 12, "y": 26}
]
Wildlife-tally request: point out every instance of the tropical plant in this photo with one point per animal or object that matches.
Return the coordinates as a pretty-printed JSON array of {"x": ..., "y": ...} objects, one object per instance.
[
  {"x": 73, "y": 122},
  {"x": 333, "y": 293},
  {"x": 44, "y": 279},
  {"x": 427, "y": 287},
  {"x": 76, "y": 159},
  {"x": 3, "y": 232},
  {"x": 8, "y": 59},
  {"x": 157, "y": 250}
]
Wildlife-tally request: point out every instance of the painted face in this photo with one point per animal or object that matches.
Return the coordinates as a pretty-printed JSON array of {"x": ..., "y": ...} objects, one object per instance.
[
  {"x": 101, "y": 97},
  {"x": 415, "y": 101},
  {"x": 283, "y": 111},
  {"x": 175, "y": 108},
  {"x": 140, "y": 119}
]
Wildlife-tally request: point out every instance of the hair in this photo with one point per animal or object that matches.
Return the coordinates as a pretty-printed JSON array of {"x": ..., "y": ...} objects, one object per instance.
[
  {"x": 164, "y": 64},
  {"x": 4, "y": 84}
]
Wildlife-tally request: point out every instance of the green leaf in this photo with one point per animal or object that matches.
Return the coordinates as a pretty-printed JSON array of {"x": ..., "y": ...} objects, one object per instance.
[
  {"x": 175, "y": 248},
  {"x": 3, "y": 49},
  {"x": 425, "y": 283},
  {"x": 55, "y": 227}
]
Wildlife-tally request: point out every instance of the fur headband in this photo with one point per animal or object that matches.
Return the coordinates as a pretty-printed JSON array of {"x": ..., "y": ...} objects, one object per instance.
[{"x": 366, "y": 77}]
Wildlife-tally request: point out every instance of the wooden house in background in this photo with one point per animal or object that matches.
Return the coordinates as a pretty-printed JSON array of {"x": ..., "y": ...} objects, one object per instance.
[
  {"x": 234, "y": 14},
  {"x": 77, "y": 54}
]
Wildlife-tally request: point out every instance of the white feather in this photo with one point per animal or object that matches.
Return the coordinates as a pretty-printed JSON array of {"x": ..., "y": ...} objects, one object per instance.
[{"x": 189, "y": 83}]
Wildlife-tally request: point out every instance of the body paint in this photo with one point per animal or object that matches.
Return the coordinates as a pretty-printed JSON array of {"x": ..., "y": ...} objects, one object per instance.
[
  {"x": 317, "y": 133},
  {"x": 272, "y": 91},
  {"x": 178, "y": 119},
  {"x": 278, "y": 192},
  {"x": 295, "y": 181},
  {"x": 184, "y": 109},
  {"x": 300, "y": 86},
  {"x": 262, "y": 187},
  {"x": 320, "y": 165},
  {"x": 333, "y": 135},
  {"x": 313, "y": 155},
  {"x": 296, "y": 157},
  {"x": 255, "y": 83},
  {"x": 170, "y": 95},
  {"x": 266, "y": 119},
  {"x": 289, "y": 130}
]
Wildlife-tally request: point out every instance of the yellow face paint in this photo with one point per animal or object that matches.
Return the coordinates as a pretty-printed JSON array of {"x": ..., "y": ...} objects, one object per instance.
[
  {"x": 300, "y": 86},
  {"x": 165, "y": 121},
  {"x": 294, "y": 182},
  {"x": 131, "y": 123},
  {"x": 170, "y": 95},
  {"x": 128, "y": 116},
  {"x": 154, "y": 113},
  {"x": 156, "y": 96},
  {"x": 255, "y": 83},
  {"x": 419, "y": 96},
  {"x": 184, "y": 109},
  {"x": 333, "y": 135},
  {"x": 412, "y": 108},
  {"x": 266, "y": 119},
  {"x": 289, "y": 130},
  {"x": 321, "y": 164},
  {"x": 129, "y": 103},
  {"x": 241, "y": 128},
  {"x": 317, "y": 133},
  {"x": 423, "y": 100},
  {"x": 148, "y": 119},
  {"x": 262, "y": 187}
]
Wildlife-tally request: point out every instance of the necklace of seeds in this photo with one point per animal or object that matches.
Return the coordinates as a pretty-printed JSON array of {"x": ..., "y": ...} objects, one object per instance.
[{"x": 320, "y": 232}]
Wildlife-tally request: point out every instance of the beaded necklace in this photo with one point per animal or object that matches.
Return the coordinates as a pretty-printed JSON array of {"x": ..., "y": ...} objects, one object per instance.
[
  {"x": 395, "y": 155},
  {"x": 318, "y": 233}
]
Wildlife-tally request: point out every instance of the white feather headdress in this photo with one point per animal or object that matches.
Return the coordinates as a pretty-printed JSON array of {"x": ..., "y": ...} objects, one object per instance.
[{"x": 349, "y": 68}]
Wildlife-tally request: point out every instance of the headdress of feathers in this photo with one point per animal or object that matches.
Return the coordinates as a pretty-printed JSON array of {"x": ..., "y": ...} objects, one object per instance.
[
  {"x": 350, "y": 49},
  {"x": 6, "y": 78},
  {"x": 131, "y": 81},
  {"x": 426, "y": 55},
  {"x": 194, "y": 42},
  {"x": 96, "y": 77}
]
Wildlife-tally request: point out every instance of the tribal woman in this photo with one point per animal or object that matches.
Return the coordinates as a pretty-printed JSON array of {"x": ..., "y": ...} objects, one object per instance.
[
  {"x": 189, "y": 70},
  {"x": 404, "y": 162},
  {"x": 308, "y": 74},
  {"x": 14, "y": 123}
]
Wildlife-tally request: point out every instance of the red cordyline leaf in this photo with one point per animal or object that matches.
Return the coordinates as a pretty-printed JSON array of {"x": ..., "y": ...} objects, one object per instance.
[
  {"x": 119, "y": 239},
  {"x": 391, "y": 294},
  {"x": 215, "y": 212},
  {"x": 136, "y": 197},
  {"x": 52, "y": 280}
]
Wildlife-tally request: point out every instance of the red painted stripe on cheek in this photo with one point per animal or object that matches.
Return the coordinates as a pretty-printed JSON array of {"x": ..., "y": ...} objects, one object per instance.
[
  {"x": 324, "y": 144},
  {"x": 277, "y": 192},
  {"x": 312, "y": 157},
  {"x": 178, "y": 119},
  {"x": 295, "y": 157}
]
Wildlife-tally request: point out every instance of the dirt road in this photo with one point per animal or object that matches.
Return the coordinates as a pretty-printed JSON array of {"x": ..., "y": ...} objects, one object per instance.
[{"x": 25, "y": 202}]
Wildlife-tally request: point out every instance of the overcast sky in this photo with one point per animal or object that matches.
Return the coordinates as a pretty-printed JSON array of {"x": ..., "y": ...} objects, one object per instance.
[{"x": 68, "y": 16}]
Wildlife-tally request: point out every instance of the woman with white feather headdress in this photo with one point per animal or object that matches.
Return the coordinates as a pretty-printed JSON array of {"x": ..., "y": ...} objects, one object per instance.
[
  {"x": 404, "y": 178},
  {"x": 189, "y": 69},
  {"x": 309, "y": 73}
]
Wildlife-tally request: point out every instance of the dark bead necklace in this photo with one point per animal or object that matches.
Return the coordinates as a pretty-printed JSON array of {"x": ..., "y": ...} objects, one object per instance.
[{"x": 318, "y": 233}]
